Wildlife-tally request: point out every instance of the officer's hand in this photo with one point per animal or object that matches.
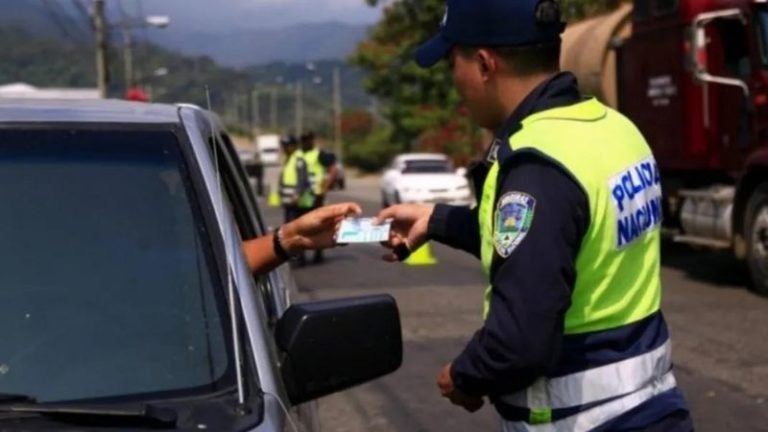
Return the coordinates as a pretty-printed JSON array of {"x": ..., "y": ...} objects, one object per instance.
[
  {"x": 317, "y": 229},
  {"x": 409, "y": 226},
  {"x": 456, "y": 396}
]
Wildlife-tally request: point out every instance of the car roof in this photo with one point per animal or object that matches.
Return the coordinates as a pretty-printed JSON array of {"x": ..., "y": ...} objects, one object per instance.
[
  {"x": 421, "y": 156},
  {"x": 85, "y": 111}
]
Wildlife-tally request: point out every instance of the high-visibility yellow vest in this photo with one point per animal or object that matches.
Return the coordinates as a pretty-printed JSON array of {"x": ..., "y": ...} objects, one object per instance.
[
  {"x": 316, "y": 169},
  {"x": 617, "y": 267},
  {"x": 289, "y": 183}
]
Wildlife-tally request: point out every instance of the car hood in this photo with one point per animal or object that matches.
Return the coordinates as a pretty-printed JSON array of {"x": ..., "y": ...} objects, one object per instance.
[{"x": 431, "y": 181}]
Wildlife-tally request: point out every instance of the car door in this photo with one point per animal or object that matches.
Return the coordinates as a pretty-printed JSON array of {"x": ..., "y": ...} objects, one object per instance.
[{"x": 272, "y": 287}]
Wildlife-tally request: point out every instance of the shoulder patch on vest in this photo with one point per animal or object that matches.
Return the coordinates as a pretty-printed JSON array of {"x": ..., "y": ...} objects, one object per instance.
[{"x": 511, "y": 221}]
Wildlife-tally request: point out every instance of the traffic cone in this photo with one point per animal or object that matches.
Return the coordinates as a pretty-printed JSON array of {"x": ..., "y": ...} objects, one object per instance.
[
  {"x": 421, "y": 256},
  {"x": 273, "y": 199}
]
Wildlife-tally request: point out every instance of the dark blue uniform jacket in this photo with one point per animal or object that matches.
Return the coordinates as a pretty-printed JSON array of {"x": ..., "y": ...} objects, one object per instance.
[{"x": 522, "y": 338}]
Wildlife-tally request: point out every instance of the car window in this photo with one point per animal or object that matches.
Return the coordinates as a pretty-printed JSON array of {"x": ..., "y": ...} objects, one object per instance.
[
  {"x": 241, "y": 210},
  {"x": 246, "y": 213},
  {"x": 426, "y": 166},
  {"x": 239, "y": 174},
  {"x": 107, "y": 280}
]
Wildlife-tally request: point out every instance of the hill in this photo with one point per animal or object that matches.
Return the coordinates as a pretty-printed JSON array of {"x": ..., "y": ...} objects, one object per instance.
[
  {"x": 236, "y": 47},
  {"x": 298, "y": 43},
  {"x": 47, "y": 62},
  {"x": 47, "y": 18}
]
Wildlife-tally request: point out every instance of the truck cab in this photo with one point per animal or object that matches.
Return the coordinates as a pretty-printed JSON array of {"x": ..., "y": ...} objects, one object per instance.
[{"x": 268, "y": 149}]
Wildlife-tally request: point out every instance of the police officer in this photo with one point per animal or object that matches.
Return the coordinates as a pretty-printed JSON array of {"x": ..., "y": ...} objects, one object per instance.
[
  {"x": 296, "y": 194},
  {"x": 567, "y": 230},
  {"x": 322, "y": 169}
]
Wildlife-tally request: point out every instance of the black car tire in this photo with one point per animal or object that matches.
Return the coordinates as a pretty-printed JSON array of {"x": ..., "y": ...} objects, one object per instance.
[{"x": 756, "y": 235}]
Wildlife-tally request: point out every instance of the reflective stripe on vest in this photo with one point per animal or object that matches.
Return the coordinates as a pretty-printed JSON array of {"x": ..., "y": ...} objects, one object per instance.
[
  {"x": 617, "y": 267},
  {"x": 596, "y": 384},
  {"x": 315, "y": 169},
  {"x": 594, "y": 417}
]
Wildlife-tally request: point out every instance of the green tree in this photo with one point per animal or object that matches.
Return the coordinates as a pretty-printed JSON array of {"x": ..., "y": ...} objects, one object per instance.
[
  {"x": 417, "y": 102},
  {"x": 574, "y": 10},
  {"x": 421, "y": 105}
]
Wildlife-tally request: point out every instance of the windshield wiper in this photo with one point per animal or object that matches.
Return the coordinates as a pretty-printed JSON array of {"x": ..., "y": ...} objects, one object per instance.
[
  {"x": 145, "y": 414},
  {"x": 14, "y": 397}
]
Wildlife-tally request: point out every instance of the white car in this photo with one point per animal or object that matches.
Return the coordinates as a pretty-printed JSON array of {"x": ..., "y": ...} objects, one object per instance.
[{"x": 424, "y": 178}]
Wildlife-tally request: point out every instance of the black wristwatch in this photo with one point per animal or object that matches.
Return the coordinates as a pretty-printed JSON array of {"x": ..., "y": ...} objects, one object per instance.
[{"x": 277, "y": 245}]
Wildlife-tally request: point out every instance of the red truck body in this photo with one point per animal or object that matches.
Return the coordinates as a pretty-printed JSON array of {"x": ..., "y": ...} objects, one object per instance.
[
  {"x": 695, "y": 125},
  {"x": 693, "y": 76}
]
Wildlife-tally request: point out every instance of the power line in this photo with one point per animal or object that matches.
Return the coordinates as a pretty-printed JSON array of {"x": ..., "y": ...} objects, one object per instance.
[
  {"x": 140, "y": 12},
  {"x": 83, "y": 32},
  {"x": 127, "y": 45},
  {"x": 55, "y": 18},
  {"x": 121, "y": 9},
  {"x": 85, "y": 15},
  {"x": 143, "y": 47}
]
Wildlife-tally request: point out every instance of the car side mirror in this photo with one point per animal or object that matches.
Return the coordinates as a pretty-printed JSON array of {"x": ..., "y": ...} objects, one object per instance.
[
  {"x": 332, "y": 345},
  {"x": 461, "y": 172}
]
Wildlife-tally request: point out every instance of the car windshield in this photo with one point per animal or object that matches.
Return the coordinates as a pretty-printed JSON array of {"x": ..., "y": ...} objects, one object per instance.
[
  {"x": 106, "y": 281},
  {"x": 426, "y": 166}
]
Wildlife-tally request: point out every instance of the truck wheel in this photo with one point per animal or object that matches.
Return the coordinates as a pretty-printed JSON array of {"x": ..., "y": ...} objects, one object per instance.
[{"x": 756, "y": 234}]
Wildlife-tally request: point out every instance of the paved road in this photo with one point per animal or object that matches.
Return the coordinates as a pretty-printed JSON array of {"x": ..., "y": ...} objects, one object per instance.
[{"x": 719, "y": 330}]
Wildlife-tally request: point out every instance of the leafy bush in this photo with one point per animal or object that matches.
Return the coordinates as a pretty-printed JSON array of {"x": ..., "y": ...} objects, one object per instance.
[{"x": 373, "y": 152}]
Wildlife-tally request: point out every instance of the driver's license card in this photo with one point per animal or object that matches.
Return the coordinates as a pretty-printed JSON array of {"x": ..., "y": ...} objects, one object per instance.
[{"x": 362, "y": 230}]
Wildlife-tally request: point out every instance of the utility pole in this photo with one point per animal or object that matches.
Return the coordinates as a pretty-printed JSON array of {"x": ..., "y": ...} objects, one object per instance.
[
  {"x": 337, "y": 113},
  {"x": 234, "y": 109},
  {"x": 273, "y": 108},
  {"x": 128, "y": 57},
  {"x": 255, "y": 115},
  {"x": 99, "y": 27},
  {"x": 299, "y": 110}
]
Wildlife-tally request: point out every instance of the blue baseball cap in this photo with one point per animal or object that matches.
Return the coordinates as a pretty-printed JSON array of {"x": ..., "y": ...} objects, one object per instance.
[
  {"x": 288, "y": 140},
  {"x": 492, "y": 23}
]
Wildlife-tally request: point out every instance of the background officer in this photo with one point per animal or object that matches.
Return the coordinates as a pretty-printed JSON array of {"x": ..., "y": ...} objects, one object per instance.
[
  {"x": 567, "y": 230},
  {"x": 322, "y": 169},
  {"x": 296, "y": 193}
]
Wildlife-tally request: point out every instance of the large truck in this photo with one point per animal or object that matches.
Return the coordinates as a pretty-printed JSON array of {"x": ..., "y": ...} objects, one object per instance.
[
  {"x": 693, "y": 76},
  {"x": 268, "y": 148}
]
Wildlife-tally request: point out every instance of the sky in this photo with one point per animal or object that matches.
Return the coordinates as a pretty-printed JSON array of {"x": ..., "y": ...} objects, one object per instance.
[{"x": 217, "y": 15}]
